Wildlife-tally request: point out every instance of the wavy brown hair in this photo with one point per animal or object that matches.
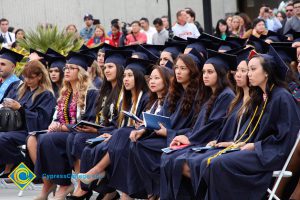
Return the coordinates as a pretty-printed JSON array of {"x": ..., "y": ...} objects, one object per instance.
[
  {"x": 82, "y": 86},
  {"x": 176, "y": 89},
  {"x": 166, "y": 77},
  {"x": 36, "y": 68}
]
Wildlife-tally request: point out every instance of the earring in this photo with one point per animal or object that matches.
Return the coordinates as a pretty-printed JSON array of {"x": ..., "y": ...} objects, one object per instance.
[{"x": 266, "y": 75}]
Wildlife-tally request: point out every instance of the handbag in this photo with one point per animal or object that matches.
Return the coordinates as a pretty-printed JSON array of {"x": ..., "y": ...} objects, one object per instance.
[{"x": 10, "y": 120}]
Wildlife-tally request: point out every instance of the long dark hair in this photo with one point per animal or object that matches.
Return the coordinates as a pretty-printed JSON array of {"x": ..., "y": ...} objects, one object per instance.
[
  {"x": 218, "y": 32},
  {"x": 111, "y": 94},
  {"x": 207, "y": 95},
  {"x": 140, "y": 85},
  {"x": 269, "y": 66},
  {"x": 176, "y": 89},
  {"x": 166, "y": 76}
]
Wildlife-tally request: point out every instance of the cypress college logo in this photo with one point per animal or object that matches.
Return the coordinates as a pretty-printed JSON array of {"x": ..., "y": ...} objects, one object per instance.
[{"x": 22, "y": 176}]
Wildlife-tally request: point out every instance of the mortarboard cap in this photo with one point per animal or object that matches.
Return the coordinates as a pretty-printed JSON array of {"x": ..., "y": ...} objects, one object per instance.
[
  {"x": 149, "y": 55},
  {"x": 40, "y": 54},
  {"x": 242, "y": 54},
  {"x": 198, "y": 45},
  {"x": 80, "y": 59},
  {"x": 275, "y": 37},
  {"x": 10, "y": 55},
  {"x": 144, "y": 66},
  {"x": 174, "y": 48},
  {"x": 55, "y": 59},
  {"x": 198, "y": 59},
  {"x": 117, "y": 56},
  {"x": 287, "y": 54},
  {"x": 259, "y": 45},
  {"x": 277, "y": 62},
  {"x": 222, "y": 60},
  {"x": 154, "y": 49}
]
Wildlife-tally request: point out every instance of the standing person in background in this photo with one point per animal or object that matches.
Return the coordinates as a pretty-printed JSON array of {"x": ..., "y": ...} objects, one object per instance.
[
  {"x": 272, "y": 23},
  {"x": 289, "y": 10},
  {"x": 191, "y": 18},
  {"x": 281, "y": 16},
  {"x": 162, "y": 35},
  {"x": 87, "y": 32},
  {"x": 183, "y": 29},
  {"x": 222, "y": 29},
  {"x": 99, "y": 37},
  {"x": 136, "y": 36},
  {"x": 294, "y": 22},
  {"x": 165, "y": 21},
  {"x": 6, "y": 37},
  {"x": 245, "y": 23},
  {"x": 114, "y": 21},
  {"x": 115, "y": 34},
  {"x": 150, "y": 31},
  {"x": 19, "y": 34}
]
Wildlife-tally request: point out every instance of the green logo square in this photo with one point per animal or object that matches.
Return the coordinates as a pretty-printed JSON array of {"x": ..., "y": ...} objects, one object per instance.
[{"x": 22, "y": 176}]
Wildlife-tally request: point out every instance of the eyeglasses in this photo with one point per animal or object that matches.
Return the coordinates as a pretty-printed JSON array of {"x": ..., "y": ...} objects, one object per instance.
[
  {"x": 70, "y": 68},
  {"x": 289, "y": 10}
]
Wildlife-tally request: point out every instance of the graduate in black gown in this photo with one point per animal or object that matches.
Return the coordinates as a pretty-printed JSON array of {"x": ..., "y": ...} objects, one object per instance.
[
  {"x": 9, "y": 81},
  {"x": 107, "y": 112},
  {"x": 236, "y": 117},
  {"x": 76, "y": 102},
  {"x": 56, "y": 63},
  {"x": 266, "y": 147},
  {"x": 35, "y": 102},
  {"x": 215, "y": 98},
  {"x": 146, "y": 145},
  {"x": 135, "y": 99}
]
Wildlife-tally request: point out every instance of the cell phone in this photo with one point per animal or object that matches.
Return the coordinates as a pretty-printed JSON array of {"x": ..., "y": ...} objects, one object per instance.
[{"x": 202, "y": 149}]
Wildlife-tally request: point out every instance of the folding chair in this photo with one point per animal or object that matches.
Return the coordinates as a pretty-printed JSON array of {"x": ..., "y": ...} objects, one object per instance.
[{"x": 282, "y": 173}]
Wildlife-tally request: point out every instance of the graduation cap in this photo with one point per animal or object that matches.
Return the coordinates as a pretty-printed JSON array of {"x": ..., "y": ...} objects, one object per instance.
[
  {"x": 176, "y": 38},
  {"x": 222, "y": 60},
  {"x": 275, "y": 37},
  {"x": 154, "y": 49},
  {"x": 174, "y": 48},
  {"x": 55, "y": 59},
  {"x": 104, "y": 47},
  {"x": 10, "y": 55},
  {"x": 80, "y": 59},
  {"x": 198, "y": 59},
  {"x": 146, "y": 53},
  {"x": 287, "y": 54},
  {"x": 227, "y": 46},
  {"x": 93, "y": 52},
  {"x": 236, "y": 41},
  {"x": 117, "y": 56},
  {"x": 198, "y": 45},
  {"x": 169, "y": 65},
  {"x": 243, "y": 54},
  {"x": 277, "y": 62},
  {"x": 210, "y": 41},
  {"x": 144, "y": 66},
  {"x": 259, "y": 45},
  {"x": 281, "y": 44},
  {"x": 83, "y": 47}
]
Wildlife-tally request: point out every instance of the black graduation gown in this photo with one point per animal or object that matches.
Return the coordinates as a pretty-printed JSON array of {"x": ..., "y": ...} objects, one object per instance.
[
  {"x": 51, "y": 148},
  {"x": 145, "y": 154},
  {"x": 91, "y": 155},
  {"x": 247, "y": 174},
  {"x": 202, "y": 133},
  {"x": 97, "y": 82},
  {"x": 37, "y": 115}
]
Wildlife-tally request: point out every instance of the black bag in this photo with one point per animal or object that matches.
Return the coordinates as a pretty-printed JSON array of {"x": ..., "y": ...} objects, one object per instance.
[{"x": 10, "y": 120}]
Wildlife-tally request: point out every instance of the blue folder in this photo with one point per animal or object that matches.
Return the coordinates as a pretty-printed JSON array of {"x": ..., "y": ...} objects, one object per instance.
[{"x": 152, "y": 121}]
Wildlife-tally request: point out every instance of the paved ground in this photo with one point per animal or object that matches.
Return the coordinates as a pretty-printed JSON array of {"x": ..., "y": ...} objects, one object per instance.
[{"x": 11, "y": 193}]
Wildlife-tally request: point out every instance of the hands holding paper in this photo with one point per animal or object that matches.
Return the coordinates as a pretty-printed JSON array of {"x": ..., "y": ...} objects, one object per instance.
[
  {"x": 180, "y": 140},
  {"x": 162, "y": 131}
]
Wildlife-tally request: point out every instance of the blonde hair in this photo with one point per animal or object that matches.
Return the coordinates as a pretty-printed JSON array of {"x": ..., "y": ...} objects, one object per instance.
[
  {"x": 239, "y": 19},
  {"x": 35, "y": 67},
  {"x": 82, "y": 86},
  {"x": 95, "y": 71},
  {"x": 102, "y": 28}
]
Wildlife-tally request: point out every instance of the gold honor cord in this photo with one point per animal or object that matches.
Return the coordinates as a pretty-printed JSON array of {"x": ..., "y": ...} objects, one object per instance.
[
  {"x": 234, "y": 145},
  {"x": 66, "y": 107}
]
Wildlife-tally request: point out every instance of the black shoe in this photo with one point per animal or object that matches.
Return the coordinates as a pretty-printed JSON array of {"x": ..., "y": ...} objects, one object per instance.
[{"x": 87, "y": 196}]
